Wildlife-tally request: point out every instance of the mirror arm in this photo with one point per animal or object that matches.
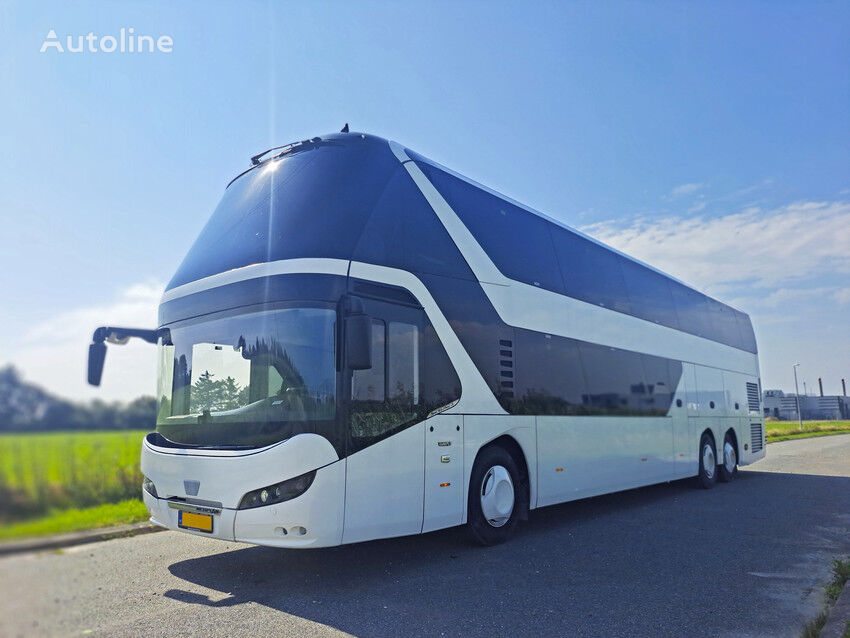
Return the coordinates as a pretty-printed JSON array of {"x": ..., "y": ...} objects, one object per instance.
[{"x": 119, "y": 336}]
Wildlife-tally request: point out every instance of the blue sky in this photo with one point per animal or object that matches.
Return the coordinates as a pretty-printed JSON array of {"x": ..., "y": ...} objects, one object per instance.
[{"x": 709, "y": 139}]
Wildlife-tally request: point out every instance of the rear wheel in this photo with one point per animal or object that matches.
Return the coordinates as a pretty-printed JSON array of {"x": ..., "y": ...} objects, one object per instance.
[
  {"x": 493, "y": 507},
  {"x": 727, "y": 470},
  {"x": 707, "y": 462}
]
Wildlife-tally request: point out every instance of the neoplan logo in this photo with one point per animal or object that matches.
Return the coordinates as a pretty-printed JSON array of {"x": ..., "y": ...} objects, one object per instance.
[{"x": 127, "y": 41}]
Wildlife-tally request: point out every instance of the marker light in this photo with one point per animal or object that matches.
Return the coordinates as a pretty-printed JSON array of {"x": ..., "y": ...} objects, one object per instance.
[
  {"x": 149, "y": 487},
  {"x": 285, "y": 491}
]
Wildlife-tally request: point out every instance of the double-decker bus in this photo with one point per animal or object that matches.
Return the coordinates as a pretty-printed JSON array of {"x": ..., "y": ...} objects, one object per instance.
[{"x": 363, "y": 344}]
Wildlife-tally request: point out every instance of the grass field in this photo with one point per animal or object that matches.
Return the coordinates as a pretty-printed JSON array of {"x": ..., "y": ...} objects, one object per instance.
[
  {"x": 784, "y": 430},
  {"x": 75, "y": 519},
  {"x": 41, "y": 474}
]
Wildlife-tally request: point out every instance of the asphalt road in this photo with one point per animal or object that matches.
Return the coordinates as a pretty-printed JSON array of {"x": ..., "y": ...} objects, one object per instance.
[{"x": 745, "y": 559}]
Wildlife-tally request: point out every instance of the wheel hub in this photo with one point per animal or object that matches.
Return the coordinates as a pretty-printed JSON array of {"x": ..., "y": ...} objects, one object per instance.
[
  {"x": 730, "y": 459},
  {"x": 497, "y": 496},
  {"x": 708, "y": 462}
]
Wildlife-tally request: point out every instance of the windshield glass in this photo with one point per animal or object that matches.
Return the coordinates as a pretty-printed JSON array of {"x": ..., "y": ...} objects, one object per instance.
[{"x": 248, "y": 380}]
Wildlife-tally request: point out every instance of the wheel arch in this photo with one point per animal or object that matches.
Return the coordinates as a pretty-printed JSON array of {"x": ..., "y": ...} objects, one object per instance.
[
  {"x": 710, "y": 434},
  {"x": 514, "y": 449}
]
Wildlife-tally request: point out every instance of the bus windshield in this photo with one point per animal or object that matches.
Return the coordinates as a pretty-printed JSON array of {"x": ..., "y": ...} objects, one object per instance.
[{"x": 248, "y": 380}]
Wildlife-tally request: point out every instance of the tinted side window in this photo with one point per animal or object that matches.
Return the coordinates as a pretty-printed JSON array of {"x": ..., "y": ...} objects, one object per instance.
[
  {"x": 517, "y": 241},
  {"x": 615, "y": 381},
  {"x": 659, "y": 386},
  {"x": 727, "y": 326},
  {"x": 548, "y": 378},
  {"x": 411, "y": 375},
  {"x": 378, "y": 411},
  {"x": 745, "y": 327},
  {"x": 403, "y": 363},
  {"x": 649, "y": 294},
  {"x": 692, "y": 310},
  {"x": 370, "y": 385},
  {"x": 440, "y": 385},
  {"x": 591, "y": 272}
]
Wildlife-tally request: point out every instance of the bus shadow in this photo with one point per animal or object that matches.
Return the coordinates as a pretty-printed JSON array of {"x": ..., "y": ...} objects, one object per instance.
[{"x": 566, "y": 568}]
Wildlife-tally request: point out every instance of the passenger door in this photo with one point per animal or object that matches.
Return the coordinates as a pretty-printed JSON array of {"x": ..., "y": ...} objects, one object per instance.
[
  {"x": 444, "y": 488},
  {"x": 385, "y": 468}
]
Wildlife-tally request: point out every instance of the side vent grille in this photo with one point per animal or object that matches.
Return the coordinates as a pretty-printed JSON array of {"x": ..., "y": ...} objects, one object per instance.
[
  {"x": 756, "y": 438},
  {"x": 506, "y": 368},
  {"x": 753, "y": 397}
]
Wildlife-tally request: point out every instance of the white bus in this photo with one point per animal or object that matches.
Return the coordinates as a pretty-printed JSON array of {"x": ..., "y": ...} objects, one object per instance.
[{"x": 363, "y": 344}]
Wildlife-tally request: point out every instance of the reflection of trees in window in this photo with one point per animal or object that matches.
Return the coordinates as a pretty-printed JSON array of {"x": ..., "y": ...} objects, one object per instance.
[{"x": 216, "y": 395}]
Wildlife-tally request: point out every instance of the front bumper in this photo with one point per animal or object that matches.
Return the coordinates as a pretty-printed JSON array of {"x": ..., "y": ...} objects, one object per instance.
[{"x": 313, "y": 519}]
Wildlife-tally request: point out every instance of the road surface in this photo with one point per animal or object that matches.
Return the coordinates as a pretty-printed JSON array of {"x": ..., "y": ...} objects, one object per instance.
[{"x": 744, "y": 559}]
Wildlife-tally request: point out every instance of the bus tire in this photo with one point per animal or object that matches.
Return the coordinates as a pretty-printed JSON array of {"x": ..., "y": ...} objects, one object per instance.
[
  {"x": 727, "y": 469},
  {"x": 707, "y": 462},
  {"x": 493, "y": 507}
]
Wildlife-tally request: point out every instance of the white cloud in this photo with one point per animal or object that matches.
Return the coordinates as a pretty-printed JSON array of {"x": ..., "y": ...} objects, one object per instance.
[
  {"x": 768, "y": 248},
  {"x": 686, "y": 189},
  {"x": 53, "y": 352},
  {"x": 842, "y": 295}
]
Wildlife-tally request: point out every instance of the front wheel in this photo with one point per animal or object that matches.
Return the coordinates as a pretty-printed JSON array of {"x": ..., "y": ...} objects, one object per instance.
[
  {"x": 493, "y": 506},
  {"x": 707, "y": 462},
  {"x": 728, "y": 470}
]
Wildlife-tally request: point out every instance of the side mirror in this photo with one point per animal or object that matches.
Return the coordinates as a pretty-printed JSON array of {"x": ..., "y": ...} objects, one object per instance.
[
  {"x": 358, "y": 342},
  {"x": 97, "y": 354}
]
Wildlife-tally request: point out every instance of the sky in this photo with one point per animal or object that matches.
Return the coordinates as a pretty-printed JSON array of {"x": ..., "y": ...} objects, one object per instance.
[{"x": 711, "y": 140}]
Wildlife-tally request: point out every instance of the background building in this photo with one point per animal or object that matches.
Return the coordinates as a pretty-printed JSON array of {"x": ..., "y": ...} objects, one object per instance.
[{"x": 783, "y": 406}]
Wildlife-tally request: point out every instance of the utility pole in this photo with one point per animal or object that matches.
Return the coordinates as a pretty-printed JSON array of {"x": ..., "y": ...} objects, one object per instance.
[{"x": 797, "y": 396}]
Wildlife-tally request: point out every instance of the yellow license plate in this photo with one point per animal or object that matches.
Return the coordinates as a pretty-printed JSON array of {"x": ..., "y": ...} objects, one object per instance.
[{"x": 199, "y": 522}]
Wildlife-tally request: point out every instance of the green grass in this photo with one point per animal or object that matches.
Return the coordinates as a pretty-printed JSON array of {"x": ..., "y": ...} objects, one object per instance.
[
  {"x": 44, "y": 473},
  {"x": 72, "y": 520},
  {"x": 784, "y": 430},
  {"x": 833, "y": 589}
]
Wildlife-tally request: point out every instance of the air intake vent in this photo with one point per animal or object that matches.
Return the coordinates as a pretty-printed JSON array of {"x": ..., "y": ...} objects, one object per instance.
[
  {"x": 756, "y": 440},
  {"x": 506, "y": 368},
  {"x": 753, "y": 397}
]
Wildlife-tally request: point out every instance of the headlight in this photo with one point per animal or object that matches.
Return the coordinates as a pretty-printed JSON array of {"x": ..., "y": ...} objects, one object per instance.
[
  {"x": 149, "y": 487},
  {"x": 279, "y": 492}
]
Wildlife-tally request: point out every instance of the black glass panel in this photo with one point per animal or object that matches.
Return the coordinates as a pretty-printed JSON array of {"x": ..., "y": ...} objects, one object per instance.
[
  {"x": 549, "y": 378},
  {"x": 404, "y": 232},
  {"x": 692, "y": 310},
  {"x": 659, "y": 386},
  {"x": 591, "y": 272},
  {"x": 517, "y": 241},
  {"x": 745, "y": 327},
  {"x": 650, "y": 294},
  {"x": 312, "y": 204},
  {"x": 615, "y": 380}
]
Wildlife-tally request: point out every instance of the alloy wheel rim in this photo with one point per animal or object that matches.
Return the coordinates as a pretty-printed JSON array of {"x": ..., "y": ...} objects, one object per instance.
[
  {"x": 708, "y": 460},
  {"x": 497, "y": 496},
  {"x": 730, "y": 459}
]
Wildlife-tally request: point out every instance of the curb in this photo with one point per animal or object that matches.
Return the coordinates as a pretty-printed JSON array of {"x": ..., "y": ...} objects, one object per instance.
[
  {"x": 78, "y": 538},
  {"x": 839, "y": 616}
]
